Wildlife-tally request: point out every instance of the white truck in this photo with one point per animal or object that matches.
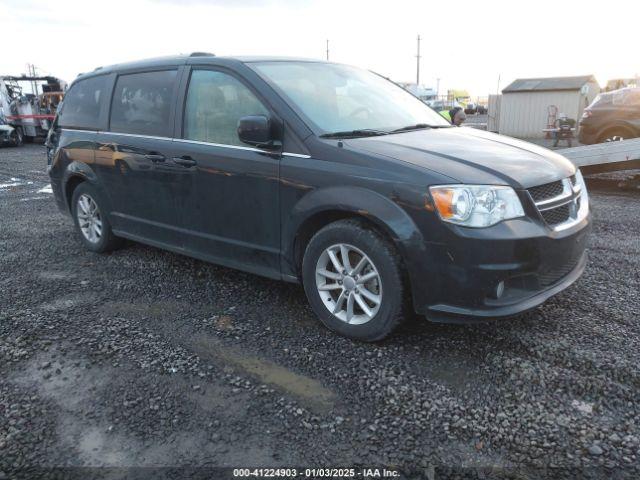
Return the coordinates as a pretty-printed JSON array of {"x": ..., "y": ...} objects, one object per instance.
[{"x": 28, "y": 104}]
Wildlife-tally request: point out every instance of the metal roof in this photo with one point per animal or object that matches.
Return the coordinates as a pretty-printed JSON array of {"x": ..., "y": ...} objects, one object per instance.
[
  {"x": 547, "y": 84},
  {"x": 196, "y": 57}
]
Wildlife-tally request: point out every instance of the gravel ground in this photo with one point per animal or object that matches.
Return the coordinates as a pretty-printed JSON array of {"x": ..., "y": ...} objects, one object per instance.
[{"x": 143, "y": 358}]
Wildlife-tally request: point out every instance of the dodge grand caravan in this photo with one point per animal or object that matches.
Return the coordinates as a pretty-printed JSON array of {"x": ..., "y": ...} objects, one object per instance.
[{"x": 323, "y": 174}]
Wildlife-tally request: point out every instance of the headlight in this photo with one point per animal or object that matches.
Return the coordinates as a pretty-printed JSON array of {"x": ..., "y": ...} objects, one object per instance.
[
  {"x": 476, "y": 205},
  {"x": 584, "y": 195}
]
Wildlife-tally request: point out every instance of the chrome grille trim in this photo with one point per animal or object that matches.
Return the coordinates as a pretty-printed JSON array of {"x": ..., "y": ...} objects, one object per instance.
[
  {"x": 568, "y": 191},
  {"x": 555, "y": 204},
  {"x": 570, "y": 197}
]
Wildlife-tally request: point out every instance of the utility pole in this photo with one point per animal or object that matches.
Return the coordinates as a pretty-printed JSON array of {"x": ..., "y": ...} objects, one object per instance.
[
  {"x": 437, "y": 87},
  {"x": 327, "y": 49},
  {"x": 418, "y": 64},
  {"x": 31, "y": 68},
  {"x": 498, "y": 89}
]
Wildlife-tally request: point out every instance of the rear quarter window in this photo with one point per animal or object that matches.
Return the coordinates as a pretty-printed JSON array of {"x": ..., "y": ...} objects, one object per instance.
[
  {"x": 84, "y": 103},
  {"x": 142, "y": 103}
]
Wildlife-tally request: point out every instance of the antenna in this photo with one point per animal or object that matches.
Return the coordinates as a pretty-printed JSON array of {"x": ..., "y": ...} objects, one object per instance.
[{"x": 327, "y": 49}]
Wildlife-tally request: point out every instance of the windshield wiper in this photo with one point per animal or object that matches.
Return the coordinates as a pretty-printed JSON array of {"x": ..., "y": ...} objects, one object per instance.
[
  {"x": 418, "y": 126},
  {"x": 367, "y": 132}
]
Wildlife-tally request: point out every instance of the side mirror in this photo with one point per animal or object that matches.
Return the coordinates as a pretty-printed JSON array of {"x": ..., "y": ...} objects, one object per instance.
[{"x": 257, "y": 130}]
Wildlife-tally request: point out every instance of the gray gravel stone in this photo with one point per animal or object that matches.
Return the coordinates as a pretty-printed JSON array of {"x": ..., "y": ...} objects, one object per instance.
[{"x": 278, "y": 389}]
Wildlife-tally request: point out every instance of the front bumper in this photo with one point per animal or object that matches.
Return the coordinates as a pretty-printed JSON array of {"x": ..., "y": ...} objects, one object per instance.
[
  {"x": 443, "y": 313},
  {"x": 531, "y": 262}
]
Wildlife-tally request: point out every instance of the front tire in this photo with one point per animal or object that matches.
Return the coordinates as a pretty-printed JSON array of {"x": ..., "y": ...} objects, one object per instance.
[
  {"x": 353, "y": 279},
  {"x": 90, "y": 217}
]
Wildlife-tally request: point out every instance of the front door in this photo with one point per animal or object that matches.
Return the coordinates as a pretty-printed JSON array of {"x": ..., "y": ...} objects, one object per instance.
[{"x": 231, "y": 216}]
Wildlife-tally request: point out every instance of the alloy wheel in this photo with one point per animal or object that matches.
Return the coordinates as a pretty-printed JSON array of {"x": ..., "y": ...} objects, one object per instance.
[
  {"x": 349, "y": 284},
  {"x": 89, "y": 218}
]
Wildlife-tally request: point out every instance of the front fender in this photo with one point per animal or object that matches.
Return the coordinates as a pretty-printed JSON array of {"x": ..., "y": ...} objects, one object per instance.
[
  {"x": 366, "y": 203},
  {"x": 382, "y": 211}
]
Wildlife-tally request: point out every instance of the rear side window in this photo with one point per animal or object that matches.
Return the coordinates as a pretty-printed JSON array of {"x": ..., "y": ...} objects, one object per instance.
[
  {"x": 215, "y": 103},
  {"x": 142, "y": 103},
  {"x": 627, "y": 96},
  {"x": 634, "y": 97},
  {"x": 84, "y": 103}
]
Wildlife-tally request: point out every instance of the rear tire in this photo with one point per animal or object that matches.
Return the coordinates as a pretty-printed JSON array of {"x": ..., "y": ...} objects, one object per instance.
[
  {"x": 346, "y": 303},
  {"x": 90, "y": 217}
]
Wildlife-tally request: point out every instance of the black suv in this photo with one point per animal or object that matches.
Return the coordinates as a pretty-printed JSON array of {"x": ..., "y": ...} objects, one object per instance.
[
  {"x": 612, "y": 116},
  {"x": 319, "y": 173}
]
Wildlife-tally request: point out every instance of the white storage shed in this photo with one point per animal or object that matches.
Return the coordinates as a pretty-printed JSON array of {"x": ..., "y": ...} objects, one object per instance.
[{"x": 529, "y": 104}]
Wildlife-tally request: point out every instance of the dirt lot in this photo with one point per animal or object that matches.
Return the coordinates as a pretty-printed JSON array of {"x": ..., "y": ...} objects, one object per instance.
[{"x": 146, "y": 358}]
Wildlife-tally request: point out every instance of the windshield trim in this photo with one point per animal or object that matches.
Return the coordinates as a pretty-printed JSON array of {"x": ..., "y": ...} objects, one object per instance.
[{"x": 309, "y": 123}]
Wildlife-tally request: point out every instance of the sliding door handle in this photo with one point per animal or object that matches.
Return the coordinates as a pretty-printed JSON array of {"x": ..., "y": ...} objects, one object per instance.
[
  {"x": 155, "y": 157},
  {"x": 185, "y": 161}
]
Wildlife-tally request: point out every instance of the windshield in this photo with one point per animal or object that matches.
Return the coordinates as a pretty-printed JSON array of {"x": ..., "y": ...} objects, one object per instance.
[{"x": 339, "y": 98}]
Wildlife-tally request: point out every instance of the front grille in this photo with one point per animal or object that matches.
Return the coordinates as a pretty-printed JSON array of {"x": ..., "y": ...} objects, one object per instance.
[
  {"x": 555, "y": 216},
  {"x": 546, "y": 191},
  {"x": 558, "y": 202},
  {"x": 549, "y": 276}
]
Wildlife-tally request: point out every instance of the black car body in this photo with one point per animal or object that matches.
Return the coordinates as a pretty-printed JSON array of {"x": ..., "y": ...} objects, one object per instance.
[
  {"x": 260, "y": 206},
  {"x": 611, "y": 116},
  {"x": 471, "y": 109}
]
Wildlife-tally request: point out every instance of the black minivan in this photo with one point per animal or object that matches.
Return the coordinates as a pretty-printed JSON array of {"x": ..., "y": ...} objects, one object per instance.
[{"x": 320, "y": 173}]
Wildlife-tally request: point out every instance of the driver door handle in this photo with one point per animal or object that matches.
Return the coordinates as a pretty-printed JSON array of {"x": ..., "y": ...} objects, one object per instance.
[{"x": 185, "y": 161}]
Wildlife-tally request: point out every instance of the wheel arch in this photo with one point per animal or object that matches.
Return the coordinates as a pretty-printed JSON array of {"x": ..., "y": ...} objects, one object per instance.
[
  {"x": 75, "y": 174},
  {"x": 314, "y": 223},
  {"x": 616, "y": 127},
  {"x": 324, "y": 206}
]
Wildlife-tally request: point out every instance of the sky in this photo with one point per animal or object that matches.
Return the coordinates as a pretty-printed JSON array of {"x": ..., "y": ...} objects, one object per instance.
[{"x": 466, "y": 44}]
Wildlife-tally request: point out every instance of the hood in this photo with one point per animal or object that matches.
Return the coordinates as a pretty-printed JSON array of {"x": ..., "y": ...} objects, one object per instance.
[{"x": 471, "y": 156}]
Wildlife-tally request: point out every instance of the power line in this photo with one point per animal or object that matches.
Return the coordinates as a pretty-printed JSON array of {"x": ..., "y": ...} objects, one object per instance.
[{"x": 418, "y": 64}]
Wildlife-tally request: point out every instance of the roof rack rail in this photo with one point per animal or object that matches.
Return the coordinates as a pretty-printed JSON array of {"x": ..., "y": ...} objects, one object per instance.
[
  {"x": 97, "y": 68},
  {"x": 202, "y": 54}
]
